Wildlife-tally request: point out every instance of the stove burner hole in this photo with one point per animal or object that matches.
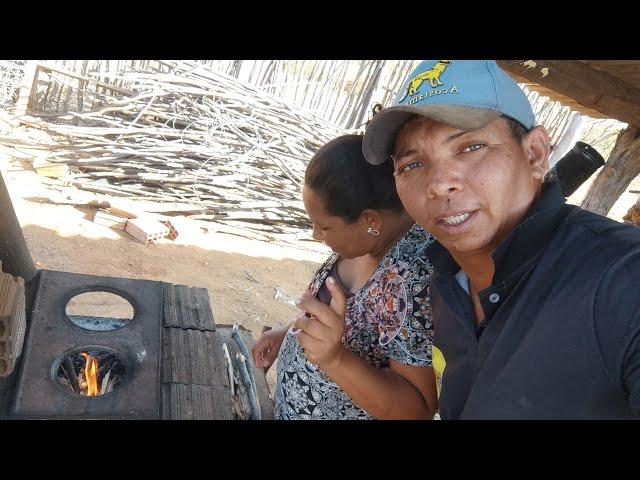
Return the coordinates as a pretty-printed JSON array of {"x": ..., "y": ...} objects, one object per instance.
[
  {"x": 99, "y": 311},
  {"x": 91, "y": 372}
]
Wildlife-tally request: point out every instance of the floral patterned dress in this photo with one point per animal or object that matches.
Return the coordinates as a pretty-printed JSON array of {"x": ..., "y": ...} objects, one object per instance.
[{"x": 389, "y": 318}]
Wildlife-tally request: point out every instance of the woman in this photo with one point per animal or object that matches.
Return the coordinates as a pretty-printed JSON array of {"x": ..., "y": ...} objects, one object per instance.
[{"x": 362, "y": 348}]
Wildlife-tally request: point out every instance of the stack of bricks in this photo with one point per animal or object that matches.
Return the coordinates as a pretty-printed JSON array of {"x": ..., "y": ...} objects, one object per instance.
[{"x": 12, "y": 321}]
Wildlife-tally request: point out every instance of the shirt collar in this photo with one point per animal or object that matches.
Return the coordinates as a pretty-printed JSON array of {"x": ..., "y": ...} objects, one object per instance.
[{"x": 523, "y": 243}]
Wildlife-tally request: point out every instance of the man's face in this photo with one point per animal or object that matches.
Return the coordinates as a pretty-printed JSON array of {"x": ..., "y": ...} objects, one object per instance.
[{"x": 468, "y": 188}]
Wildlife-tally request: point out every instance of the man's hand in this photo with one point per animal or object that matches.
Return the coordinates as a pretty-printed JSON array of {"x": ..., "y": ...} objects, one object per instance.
[{"x": 321, "y": 332}]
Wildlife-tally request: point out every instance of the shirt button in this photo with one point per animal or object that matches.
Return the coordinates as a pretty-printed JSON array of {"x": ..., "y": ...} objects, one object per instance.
[{"x": 494, "y": 298}]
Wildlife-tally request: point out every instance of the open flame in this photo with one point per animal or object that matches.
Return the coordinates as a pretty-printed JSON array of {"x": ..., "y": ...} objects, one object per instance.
[{"x": 91, "y": 374}]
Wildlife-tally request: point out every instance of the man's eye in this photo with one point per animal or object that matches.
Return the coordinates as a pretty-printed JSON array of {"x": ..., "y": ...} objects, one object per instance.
[
  {"x": 474, "y": 147},
  {"x": 409, "y": 166}
]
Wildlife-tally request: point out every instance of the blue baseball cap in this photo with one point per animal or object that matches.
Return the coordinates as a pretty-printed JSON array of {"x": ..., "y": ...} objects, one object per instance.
[{"x": 466, "y": 94}]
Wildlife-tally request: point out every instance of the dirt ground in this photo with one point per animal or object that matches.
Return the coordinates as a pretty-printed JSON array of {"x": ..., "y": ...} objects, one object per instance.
[{"x": 249, "y": 282}]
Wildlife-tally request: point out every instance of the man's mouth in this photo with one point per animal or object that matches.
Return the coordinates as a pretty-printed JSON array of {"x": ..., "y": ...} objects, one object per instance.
[
  {"x": 457, "y": 219},
  {"x": 458, "y": 222}
]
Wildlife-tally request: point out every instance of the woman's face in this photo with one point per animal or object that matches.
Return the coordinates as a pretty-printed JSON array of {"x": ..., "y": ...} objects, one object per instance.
[{"x": 349, "y": 240}]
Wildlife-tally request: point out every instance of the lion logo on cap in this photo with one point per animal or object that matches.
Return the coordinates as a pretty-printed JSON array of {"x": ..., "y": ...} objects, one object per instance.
[{"x": 433, "y": 75}]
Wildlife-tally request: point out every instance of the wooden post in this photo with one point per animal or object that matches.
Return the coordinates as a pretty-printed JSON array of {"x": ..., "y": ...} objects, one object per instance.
[
  {"x": 16, "y": 260},
  {"x": 356, "y": 122},
  {"x": 14, "y": 253},
  {"x": 621, "y": 168},
  {"x": 633, "y": 215},
  {"x": 27, "y": 94}
]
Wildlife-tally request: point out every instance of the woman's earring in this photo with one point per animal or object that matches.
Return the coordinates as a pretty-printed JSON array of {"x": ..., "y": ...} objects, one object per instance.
[{"x": 373, "y": 231}]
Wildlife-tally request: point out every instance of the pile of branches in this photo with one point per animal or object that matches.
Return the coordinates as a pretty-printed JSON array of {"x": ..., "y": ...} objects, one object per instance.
[
  {"x": 11, "y": 74},
  {"x": 200, "y": 138}
]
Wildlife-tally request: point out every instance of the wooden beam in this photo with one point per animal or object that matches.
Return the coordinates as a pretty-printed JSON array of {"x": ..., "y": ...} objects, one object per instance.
[
  {"x": 591, "y": 88},
  {"x": 82, "y": 78},
  {"x": 618, "y": 172}
]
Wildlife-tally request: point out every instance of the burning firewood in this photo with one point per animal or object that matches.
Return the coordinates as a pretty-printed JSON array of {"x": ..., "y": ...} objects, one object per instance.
[
  {"x": 90, "y": 374},
  {"x": 105, "y": 384},
  {"x": 94, "y": 374},
  {"x": 70, "y": 374}
]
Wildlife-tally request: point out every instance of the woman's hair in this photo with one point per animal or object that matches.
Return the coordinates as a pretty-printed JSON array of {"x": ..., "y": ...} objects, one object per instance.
[{"x": 347, "y": 184}]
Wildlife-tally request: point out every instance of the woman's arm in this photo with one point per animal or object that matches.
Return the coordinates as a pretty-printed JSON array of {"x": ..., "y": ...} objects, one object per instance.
[{"x": 403, "y": 392}]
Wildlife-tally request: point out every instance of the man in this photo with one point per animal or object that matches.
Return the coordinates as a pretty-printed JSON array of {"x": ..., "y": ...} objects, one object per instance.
[{"x": 535, "y": 302}]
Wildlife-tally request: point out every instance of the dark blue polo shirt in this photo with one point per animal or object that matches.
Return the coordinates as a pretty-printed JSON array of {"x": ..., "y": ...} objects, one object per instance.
[{"x": 561, "y": 336}]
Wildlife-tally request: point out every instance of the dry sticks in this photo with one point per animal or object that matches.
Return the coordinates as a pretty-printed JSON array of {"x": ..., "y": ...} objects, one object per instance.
[{"x": 197, "y": 137}]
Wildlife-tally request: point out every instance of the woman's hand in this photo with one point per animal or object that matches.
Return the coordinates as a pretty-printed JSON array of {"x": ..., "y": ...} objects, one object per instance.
[
  {"x": 321, "y": 332},
  {"x": 265, "y": 350},
  {"x": 402, "y": 392}
]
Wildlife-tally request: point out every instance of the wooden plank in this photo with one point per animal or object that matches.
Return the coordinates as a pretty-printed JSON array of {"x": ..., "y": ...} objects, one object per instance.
[
  {"x": 165, "y": 398},
  {"x": 122, "y": 213},
  {"x": 186, "y": 402},
  {"x": 195, "y": 357},
  {"x": 218, "y": 371},
  {"x": 50, "y": 68},
  {"x": 174, "y": 373},
  {"x": 186, "y": 307},
  {"x": 202, "y": 374},
  {"x": 50, "y": 170},
  {"x": 591, "y": 88},
  {"x": 626, "y": 70},
  {"x": 195, "y": 384},
  {"x": 174, "y": 400},
  {"x": 184, "y": 357},
  {"x": 197, "y": 402},
  {"x": 165, "y": 366},
  {"x": 200, "y": 408}
]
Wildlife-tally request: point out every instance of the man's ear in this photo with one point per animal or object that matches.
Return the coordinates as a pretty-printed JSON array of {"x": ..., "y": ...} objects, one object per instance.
[{"x": 537, "y": 147}]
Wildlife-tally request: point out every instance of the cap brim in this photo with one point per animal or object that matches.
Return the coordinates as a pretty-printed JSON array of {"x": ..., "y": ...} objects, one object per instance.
[{"x": 380, "y": 135}]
